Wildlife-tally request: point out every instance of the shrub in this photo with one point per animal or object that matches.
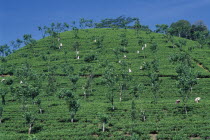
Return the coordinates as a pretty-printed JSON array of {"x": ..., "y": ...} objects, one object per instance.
[{"x": 90, "y": 58}]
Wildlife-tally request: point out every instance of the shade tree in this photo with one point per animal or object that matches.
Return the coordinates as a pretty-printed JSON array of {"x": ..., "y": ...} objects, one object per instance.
[
  {"x": 16, "y": 44},
  {"x": 71, "y": 102},
  {"x": 187, "y": 78},
  {"x": 38, "y": 103},
  {"x": 5, "y": 50},
  {"x": 154, "y": 79},
  {"x": 125, "y": 78},
  {"x": 111, "y": 79},
  {"x": 3, "y": 92},
  {"x": 104, "y": 120},
  {"x": 76, "y": 47},
  {"x": 28, "y": 40},
  {"x": 29, "y": 120},
  {"x": 83, "y": 23},
  {"x": 123, "y": 41},
  {"x": 74, "y": 79},
  {"x": 161, "y": 28},
  {"x": 87, "y": 71},
  {"x": 137, "y": 26},
  {"x": 180, "y": 28}
]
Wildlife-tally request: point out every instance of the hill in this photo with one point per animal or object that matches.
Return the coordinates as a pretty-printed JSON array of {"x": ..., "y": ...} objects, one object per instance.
[{"x": 117, "y": 78}]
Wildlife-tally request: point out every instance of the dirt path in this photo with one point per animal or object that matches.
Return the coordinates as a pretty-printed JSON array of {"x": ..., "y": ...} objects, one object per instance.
[
  {"x": 153, "y": 136},
  {"x": 201, "y": 66},
  {"x": 195, "y": 138},
  {"x": 5, "y": 75}
]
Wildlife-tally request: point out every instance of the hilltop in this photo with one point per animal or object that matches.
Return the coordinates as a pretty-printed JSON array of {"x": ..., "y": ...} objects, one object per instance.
[{"x": 109, "y": 73}]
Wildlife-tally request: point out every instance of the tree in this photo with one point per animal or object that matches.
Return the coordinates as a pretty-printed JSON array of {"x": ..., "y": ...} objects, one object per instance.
[
  {"x": 81, "y": 23},
  {"x": 161, "y": 28},
  {"x": 29, "y": 119},
  {"x": 103, "y": 119},
  {"x": 98, "y": 41},
  {"x": 186, "y": 76},
  {"x": 74, "y": 79},
  {"x": 137, "y": 26},
  {"x": 76, "y": 46},
  {"x": 199, "y": 31},
  {"x": 154, "y": 48},
  {"x": 117, "y": 53},
  {"x": 51, "y": 80},
  {"x": 88, "y": 72},
  {"x": 54, "y": 35},
  {"x": 26, "y": 93},
  {"x": 133, "y": 111},
  {"x": 28, "y": 40},
  {"x": 73, "y": 106},
  {"x": 38, "y": 102},
  {"x": 3, "y": 93},
  {"x": 186, "y": 80},
  {"x": 71, "y": 101},
  {"x": 136, "y": 90},
  {"x": 154, "y": 79},
  {"x": 124, "y": 74},
  {"x": 67, "y": 69},
  {"x": 180, "y": 28},
  {"x": 5, "y": 50},
  {"x": 119, "y": 22},
  {"x": 141, "y": 42},
  {"x": 42, "y": 31},
  {"x": 111, "y": 79},
  {"x": 1, "y": 114},
  {"x": 123, "y": 41},
  {"x": 16, "y": 44},
  {"x": 75, "y": 30}
]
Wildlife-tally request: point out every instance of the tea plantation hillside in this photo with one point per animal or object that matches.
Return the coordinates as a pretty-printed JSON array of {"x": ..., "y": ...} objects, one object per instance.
[{"x": 106, "y": 84}]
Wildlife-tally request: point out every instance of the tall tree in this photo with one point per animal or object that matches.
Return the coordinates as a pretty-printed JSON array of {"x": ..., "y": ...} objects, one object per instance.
[
  {"x": 103, "y": 119},
  {"x": 71, "y": 102},
  {"x": 111, "y": 79},
  {"x": 29, "y": 119},
  {"x": 186, "y": 80},
  {"x": 180, "y": 28},
  {"x": 137, "y": 26},
  {"x": 3, "y": 93},
  {"x": 28, "y": 40},
  {"x": 161, "y": 28}
]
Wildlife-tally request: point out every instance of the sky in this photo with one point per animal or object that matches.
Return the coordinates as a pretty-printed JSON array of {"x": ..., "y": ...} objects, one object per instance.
[{"x": 19, "y": 17}]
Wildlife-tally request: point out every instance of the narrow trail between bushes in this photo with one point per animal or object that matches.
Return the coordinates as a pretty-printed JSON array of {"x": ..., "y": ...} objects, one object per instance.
[
  {"x": 153, "y": 136},
  {"x": 201, "y": 66},
  {"x": 5, "y": 75},
  {"x": 198, "y": 64}
]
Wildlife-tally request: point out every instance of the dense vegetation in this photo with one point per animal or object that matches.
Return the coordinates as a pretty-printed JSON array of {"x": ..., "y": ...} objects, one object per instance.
[{"x": 105, "y": 83}]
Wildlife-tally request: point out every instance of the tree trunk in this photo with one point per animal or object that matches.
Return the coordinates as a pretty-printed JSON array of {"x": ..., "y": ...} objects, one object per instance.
[
  {"x": 85, "y": 95},
  {"x": 103, "y": 128},
  {"x": 112, "y": 106},
  {"x": 121, "y": 94},
  {"x": 3, "y": 99},
  {"x": 144, "y": 118},
  {"x": 72, "y": 120},
  {"x": 185, "y": 108},
  {"x": 29, "y": 130},
  {"x": 0, "y": 120},
  {"x": 40, "y": 111}
]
